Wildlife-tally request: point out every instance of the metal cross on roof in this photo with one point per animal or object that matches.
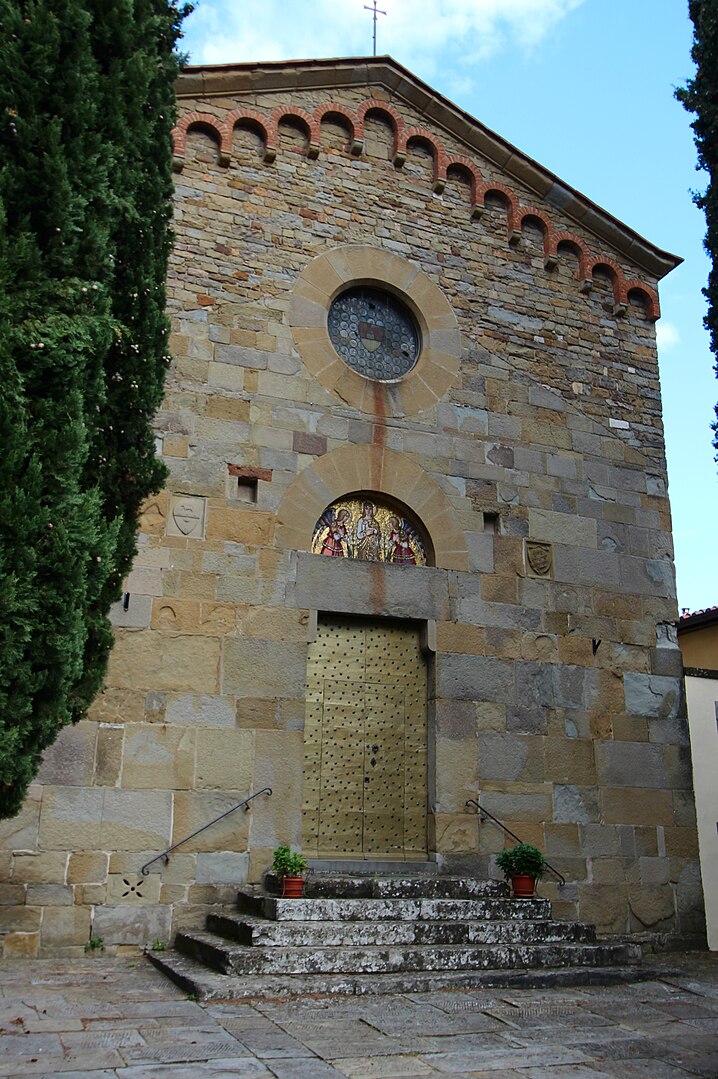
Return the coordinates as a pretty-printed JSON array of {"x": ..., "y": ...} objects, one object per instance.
[{"x": 375, "y": 11}]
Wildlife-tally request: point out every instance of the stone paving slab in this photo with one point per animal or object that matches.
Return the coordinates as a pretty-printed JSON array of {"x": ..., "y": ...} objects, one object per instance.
[{"x": 118, "y": 1018}]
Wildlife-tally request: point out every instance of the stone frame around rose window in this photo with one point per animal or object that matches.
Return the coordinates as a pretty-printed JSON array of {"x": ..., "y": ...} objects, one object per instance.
[{"x": 327, "y": 276}]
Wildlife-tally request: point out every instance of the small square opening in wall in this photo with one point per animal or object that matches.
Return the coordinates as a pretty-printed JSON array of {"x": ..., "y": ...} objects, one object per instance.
[
  {"x": 246, "y": 489},
  {"x": 243, "y": 481},
  {"x": 491, "y": 521}
]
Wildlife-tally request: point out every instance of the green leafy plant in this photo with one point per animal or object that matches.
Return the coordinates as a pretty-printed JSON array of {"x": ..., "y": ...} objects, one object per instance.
[
  {"x": 159, "y": 946},
  {"x": 523, "y": 859},
  {"x": 288, "y": 863},
  {"x": 95, "y": 944}
]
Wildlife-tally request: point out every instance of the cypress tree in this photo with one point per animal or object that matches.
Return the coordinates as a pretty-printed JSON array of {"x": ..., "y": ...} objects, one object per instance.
[
  {"x": 87, "y": 106},
  {"x": 700, "y": 96}
]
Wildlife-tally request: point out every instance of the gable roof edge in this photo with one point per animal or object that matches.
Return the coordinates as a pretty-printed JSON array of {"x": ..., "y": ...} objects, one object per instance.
[{"x": 255, "y": 77}]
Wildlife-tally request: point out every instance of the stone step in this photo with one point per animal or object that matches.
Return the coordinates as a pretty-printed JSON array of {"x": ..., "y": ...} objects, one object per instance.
[
  {"x": 401, "y": 887},
  {"x": 264, "y": 933},
  {"x": 369, "y": 910},
  {"x": 353, "y": 867},
  {"x": 240, "y": 960},
  {"x": 196, "y": 979}
]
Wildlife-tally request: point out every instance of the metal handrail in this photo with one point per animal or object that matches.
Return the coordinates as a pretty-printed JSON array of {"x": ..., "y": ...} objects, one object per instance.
[
  {"x": 485, "y": 813},
  {"x": 166, "y": 853}
]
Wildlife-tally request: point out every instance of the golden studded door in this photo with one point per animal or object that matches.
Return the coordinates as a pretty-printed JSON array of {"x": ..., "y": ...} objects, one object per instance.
[{"x": 365, "y": 742}]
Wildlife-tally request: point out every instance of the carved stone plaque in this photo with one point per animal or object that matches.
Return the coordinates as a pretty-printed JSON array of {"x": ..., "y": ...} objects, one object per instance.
[
  {"x": 186, "y": 516},
  {"x": 538, "y": 558}
]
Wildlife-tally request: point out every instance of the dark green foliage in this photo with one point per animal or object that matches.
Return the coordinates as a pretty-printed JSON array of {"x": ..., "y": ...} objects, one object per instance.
[
  {"x": 523, "y": 858},
  {"x": 700, "y": 96},
  {"x": 86, "y": 110}
]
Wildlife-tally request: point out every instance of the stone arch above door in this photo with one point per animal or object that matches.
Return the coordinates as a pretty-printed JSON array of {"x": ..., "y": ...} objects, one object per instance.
[{"x": 371, "y": 469}]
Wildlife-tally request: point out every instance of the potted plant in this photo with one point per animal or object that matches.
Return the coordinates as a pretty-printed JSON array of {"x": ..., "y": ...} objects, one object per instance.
[
  {"x": 523, "y": 865},
  {"x": 290, "y": 867}
]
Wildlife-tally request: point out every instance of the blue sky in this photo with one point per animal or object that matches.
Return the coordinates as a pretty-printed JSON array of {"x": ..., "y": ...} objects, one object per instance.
[{"x": 586, "y": 88}]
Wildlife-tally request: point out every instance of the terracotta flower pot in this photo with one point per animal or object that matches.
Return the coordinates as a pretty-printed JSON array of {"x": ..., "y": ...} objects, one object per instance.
[
  {"x": 292, "y": 887},
  {"x": 524, "y": 886}
]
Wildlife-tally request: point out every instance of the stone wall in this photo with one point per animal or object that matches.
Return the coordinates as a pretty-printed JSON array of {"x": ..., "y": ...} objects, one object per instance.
[{"x": 555, "y": 690}]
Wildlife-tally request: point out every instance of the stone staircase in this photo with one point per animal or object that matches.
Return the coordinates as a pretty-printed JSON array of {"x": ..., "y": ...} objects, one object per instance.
[{"x": 390, "y": 934}]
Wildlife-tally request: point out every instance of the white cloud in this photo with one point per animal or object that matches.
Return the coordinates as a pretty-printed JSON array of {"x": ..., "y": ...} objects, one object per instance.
[
  {"x": 667, "y": 335},
  {"x": 424, "y": 35}
]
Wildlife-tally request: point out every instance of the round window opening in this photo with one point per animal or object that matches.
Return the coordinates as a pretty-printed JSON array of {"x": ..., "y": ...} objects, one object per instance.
[{"x": 374, "y": 333}]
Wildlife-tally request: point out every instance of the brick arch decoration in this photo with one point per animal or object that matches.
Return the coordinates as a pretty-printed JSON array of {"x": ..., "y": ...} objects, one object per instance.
[
  {"x": 330, "y": 273},
  {"x": 374, "y": 469},
  {"x": 268, "y": 125}
]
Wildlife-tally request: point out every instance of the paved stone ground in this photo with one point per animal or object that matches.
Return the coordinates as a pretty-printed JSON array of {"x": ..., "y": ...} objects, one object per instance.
[{"x": 102, "y": 1018}]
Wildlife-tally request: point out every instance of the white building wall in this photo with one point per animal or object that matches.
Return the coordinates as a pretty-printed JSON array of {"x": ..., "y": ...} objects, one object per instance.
[{"x": 702, "y": 700}]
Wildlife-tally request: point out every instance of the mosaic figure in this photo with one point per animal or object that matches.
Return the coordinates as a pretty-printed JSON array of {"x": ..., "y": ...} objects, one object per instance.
[
  {"x": 399, "y": 545},
  {"x": 332, "y": 530},
  {"x": 368, "y": 535},
  {"x": 365, "y": 529}
]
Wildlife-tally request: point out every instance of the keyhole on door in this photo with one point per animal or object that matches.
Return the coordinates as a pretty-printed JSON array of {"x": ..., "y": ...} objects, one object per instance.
[{"x": 374, "y": 749}]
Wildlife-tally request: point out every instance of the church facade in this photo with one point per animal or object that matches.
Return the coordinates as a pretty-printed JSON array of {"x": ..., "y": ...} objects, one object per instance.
[{"x": 415, "y": 547}]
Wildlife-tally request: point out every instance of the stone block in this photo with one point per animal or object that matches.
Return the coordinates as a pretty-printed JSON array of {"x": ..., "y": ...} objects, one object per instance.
[
  {"x": 224, "y": 760},
  {"x": 460, "y": 637},
  {"x": 562, "y": 840},
  {"x": 118, "y": 706},
  {"x": 249, "y": 527},
  {"x": 133, "y": 888},
  {"x": 655, "y": 871},
  {"x": 222, "y": 867},
  {"x": 87, "y": 866},
  {"x": 279, "y": 764},
  {"x": 144, "y": 659},
  {"x": 480, "y": 546},
  {"x": 50, "y": 895},
  {"x": 456, "y": 775},
  {"x": 203, "y": 710},
  {"x": 477, "y": 678},
  {"x": 532, "y": 720},
  {"x": 573, "y": 804},
  {"x": 258, "y": 713},
  {"x": 139, "y": 925},
  {"x": 652, "y": 905},
  {"x": 133, "y": 611},
  {"x": 136, "y": 820},
  {"x": 20, "y": 832},
  {"x": 533, "y": 806},
  {"x": 652, "y": 695},
  {"x": 158, "y": 756},
  {"x": 565, "y": 528},
  {"x": 70, "y": 818},
  {"x": 455, "y": 720},
  {"x": 21, "y": 946},
  {"x": 637, "y": 805},
  {"x": 69, "y": 761},
  {"x": 195, "y": 809},
  {"x": 570, "y": 761},
  {"x": 605, "y": 906},
  {"x": 630, "y": 764},
  {"x": 20, "y": 919},
  {"x": 64, "y": 927},
  {"x": 599, "y": 840},
  {"x": 108, "y": 755},
  {"x": 39, "y": 867},
  {"x": 456, "y": 833},
  {"x": 254, "y": 667},
  {"x": 509, "y": 757},
  {"x": 337, "y": 584}
]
